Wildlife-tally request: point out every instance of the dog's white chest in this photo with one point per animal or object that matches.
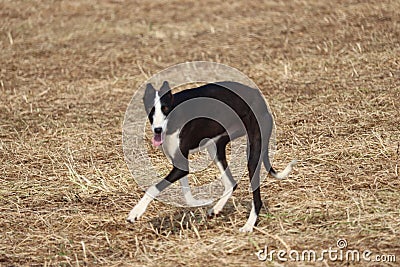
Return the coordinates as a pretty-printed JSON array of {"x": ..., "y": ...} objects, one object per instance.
[{"x": 171, "y": 144}]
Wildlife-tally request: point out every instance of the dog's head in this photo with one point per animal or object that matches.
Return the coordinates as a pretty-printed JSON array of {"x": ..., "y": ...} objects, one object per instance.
[{"x": 158, "y": 105}]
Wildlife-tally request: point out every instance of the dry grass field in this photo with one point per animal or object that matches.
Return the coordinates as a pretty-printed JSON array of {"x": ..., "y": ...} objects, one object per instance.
[{"x": 330, "y": 71}]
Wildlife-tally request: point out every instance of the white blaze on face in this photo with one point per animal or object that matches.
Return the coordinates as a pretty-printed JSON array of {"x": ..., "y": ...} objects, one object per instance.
[{"x": 159, "y": 121}]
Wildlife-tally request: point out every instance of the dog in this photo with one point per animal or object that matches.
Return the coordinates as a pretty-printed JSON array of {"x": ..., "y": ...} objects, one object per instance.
[{"x": 209, "y": 116}]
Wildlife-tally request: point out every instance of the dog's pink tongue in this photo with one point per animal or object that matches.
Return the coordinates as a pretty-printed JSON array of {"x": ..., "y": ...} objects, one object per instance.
[{"x": 157, "y": 140}]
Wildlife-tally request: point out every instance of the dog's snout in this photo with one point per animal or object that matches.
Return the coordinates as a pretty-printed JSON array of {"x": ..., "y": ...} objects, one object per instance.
[{"x": 158, "y": 130}]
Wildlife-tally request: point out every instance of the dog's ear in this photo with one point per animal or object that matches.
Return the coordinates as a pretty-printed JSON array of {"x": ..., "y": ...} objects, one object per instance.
[
  {"x": 166, "y": 93},
  {"x": 149, "y": 92},
  {"x": 149, "y": 88},
  {"x": 165, "y": 88},
  {"x": 149, "y": 95}
]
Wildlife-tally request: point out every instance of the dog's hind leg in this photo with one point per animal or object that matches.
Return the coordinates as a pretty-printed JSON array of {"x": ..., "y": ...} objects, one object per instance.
[
  {"x": 226, "y": 176},
  {"x": 254, "y": 167},
  {"x": 255, "y": 210}
]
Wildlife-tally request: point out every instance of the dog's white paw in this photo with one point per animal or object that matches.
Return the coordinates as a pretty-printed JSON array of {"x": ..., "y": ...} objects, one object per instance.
[
  {"x": 246, "y": 229},
  {"x": 136, "y": 213},
  {"x": 192, "y": 202},
  {"x": 200, "y": 202},
  {"x": 211, "y": 212},
  {"x": 214, "y": 211}
]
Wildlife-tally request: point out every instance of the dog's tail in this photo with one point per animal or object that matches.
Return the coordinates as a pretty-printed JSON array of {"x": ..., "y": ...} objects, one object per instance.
[
  {"x": 278, "y": 175},
  {"x": 285, "y": 172}
]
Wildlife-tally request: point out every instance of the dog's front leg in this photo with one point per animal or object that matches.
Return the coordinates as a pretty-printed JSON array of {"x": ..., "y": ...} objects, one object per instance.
[
  {"x": 140, "y": 207},
  {"x": 189, "y": 198},
  {"x": 153, "y": 192}
]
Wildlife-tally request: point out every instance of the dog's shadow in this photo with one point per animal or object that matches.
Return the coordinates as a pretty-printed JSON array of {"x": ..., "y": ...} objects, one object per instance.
[{"x": 197, "y": 219}]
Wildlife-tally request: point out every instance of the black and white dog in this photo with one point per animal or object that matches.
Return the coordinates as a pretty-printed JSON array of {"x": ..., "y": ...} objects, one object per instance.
[{"x": 209, "y": 116}]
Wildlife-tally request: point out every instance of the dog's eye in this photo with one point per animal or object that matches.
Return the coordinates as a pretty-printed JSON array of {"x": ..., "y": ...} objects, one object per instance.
[{"x": 164, "y": 109}]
